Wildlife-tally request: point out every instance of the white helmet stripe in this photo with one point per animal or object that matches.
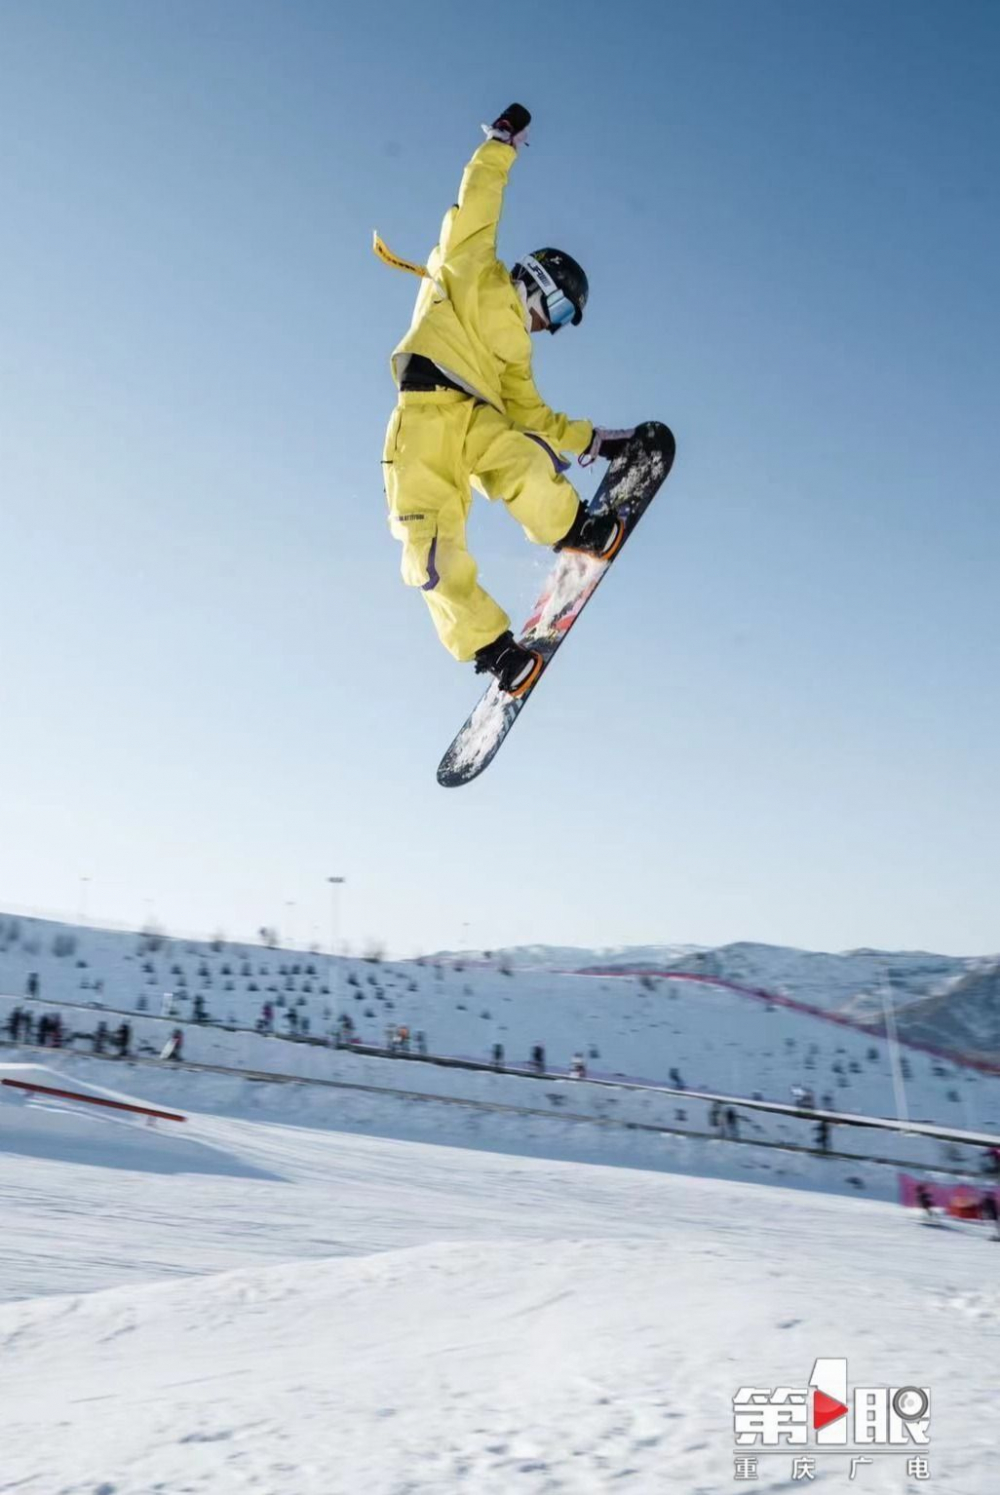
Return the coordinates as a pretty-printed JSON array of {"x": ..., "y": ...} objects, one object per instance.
[{"x": 539, "y": 274}]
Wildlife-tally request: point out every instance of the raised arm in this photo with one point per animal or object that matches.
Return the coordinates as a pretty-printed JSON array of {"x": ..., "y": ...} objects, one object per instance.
[{"x": 472, "y": 223}]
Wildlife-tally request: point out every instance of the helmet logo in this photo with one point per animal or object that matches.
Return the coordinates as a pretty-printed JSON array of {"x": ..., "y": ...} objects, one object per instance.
[{"x": 540, "y": 275}]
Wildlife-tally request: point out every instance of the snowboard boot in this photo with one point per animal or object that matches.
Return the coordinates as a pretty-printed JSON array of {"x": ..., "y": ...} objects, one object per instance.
[
  {"x": 599, "y": 535},
  {"x": 514, "y": 668}
]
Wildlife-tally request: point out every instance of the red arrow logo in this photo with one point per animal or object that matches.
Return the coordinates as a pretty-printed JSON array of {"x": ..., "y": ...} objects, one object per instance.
[{"x": 826, "y": 1409}]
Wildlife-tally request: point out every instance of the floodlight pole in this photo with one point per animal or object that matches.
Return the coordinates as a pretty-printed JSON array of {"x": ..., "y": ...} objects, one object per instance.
[{"x": 336, "y": 883}]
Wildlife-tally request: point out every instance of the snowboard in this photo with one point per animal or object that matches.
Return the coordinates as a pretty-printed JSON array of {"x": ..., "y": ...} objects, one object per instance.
[{"x": 629, "y": 486}]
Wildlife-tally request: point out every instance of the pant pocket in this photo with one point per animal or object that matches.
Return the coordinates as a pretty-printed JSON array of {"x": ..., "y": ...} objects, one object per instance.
[{"x": 418, "y": 534}]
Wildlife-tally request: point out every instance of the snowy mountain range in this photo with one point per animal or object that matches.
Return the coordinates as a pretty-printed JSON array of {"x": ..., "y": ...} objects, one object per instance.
[{"x": 851, "y": 983}]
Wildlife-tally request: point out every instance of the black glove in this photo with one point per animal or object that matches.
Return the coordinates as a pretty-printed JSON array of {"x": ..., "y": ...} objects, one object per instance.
[{"x": 511, "y": 127}]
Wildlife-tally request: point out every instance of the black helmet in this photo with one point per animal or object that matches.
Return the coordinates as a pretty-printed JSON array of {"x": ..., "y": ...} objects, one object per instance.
[{"x": 560, "y": 280}]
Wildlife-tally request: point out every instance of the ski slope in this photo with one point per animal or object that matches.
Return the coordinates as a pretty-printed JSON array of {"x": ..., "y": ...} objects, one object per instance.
[
  {"x": 318, "y": 1313},
  {"x": 626, "y": 1026}
]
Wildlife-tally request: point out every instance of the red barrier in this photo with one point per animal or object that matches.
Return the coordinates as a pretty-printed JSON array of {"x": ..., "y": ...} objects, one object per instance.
[
  {"x": 963, "y": 1201},
  {"x": 94, "y": 1100}
]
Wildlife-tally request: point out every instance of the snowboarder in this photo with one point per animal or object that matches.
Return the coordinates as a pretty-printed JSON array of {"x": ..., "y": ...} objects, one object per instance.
[
  {"x": 469, "y": 414},
  {"x": 174, "y": 1044},
  {"x": 925, "y": 1199}
]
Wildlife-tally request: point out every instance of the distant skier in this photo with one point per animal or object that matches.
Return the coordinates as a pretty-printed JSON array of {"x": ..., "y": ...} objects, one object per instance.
[
  {"x": 577, "y": 1067},
  {"x": 123, "y": 1038},
  {"x": 497, "y": 1056},
  {"x": 925, "y": 1199},
  {"x": 469, "y": 414}
]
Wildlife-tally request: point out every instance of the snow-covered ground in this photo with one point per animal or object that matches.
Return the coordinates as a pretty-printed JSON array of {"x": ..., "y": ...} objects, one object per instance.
[
  {"x": 315, "y": 1312},
  {"x": 411, "y": 1279}
]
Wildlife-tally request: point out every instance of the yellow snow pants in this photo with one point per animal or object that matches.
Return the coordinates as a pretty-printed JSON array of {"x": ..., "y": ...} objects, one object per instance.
[{"x": 439, "y": 445}]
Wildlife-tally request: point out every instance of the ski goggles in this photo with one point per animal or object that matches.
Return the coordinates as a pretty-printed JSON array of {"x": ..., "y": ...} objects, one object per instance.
[{"x": 559, "y": 309}]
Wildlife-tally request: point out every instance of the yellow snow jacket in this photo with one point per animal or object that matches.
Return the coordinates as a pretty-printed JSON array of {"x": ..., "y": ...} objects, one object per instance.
[{"x": 469, "y": 318}]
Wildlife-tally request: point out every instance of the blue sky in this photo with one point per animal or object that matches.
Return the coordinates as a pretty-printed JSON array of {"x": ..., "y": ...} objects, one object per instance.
[{"x": 780, "y": 719}]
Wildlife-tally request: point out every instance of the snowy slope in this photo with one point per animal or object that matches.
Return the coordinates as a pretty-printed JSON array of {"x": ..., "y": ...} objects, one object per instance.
[
  {"x": 630, "y": 1026},
  {"x": 717, "y": 1039},
  {"x": 393, "y": 1316}
]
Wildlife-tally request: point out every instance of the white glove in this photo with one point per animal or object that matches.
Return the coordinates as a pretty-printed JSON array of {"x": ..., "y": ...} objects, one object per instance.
[{"x": 606, "y": 443}]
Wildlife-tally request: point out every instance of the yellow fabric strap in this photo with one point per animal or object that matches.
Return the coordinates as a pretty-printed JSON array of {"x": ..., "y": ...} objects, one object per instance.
[{"x": 388, "y": 258}]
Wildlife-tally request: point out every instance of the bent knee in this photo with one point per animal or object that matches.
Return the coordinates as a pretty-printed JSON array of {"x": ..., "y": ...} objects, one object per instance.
[{"x": 546, "y": 513}]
